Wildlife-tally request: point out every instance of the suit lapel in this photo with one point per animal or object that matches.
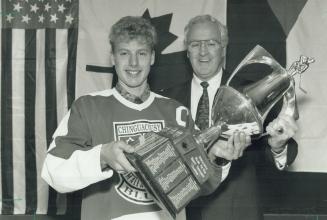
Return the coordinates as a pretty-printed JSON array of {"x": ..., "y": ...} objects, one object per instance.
[
  {"x": 224, "y": 77},
  {"x": 188, "y": 94}
]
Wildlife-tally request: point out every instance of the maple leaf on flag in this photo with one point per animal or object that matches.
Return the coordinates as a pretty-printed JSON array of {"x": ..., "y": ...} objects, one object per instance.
[
  {"x": 162, "y": 24},
  {"x": 169, "y": 69}
]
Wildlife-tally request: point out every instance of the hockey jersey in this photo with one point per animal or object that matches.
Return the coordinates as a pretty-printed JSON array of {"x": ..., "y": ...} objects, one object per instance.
[{"x": 73, "y": 159}]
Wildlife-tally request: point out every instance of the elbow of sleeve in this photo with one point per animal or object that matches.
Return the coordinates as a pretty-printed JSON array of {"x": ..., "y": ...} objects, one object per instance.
[
  {"x": 50, "y": 177},
  {"x": 67, "y": 175}
]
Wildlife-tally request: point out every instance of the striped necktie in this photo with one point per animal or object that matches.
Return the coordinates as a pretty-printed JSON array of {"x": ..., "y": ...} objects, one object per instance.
[{"x": 202, "y": 113}]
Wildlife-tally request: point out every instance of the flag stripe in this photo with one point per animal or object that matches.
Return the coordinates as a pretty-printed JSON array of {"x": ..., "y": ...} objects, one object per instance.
[
  {"x": 40, "y": 124},
  {"x": 1, "y": 106},
  {"x": 18, "y": 119},
  {"x": 61, "y": 73},
  {"x": 71, "y": 65},
  {"x": 73, "y": 199},
  {"x": 61, "y": 204},
  {"x": 6, "y": 122},
  {"x": 50, "y": 100},
  {"x": 30, "y": 87},
  {"x": 61, "y": 93}
]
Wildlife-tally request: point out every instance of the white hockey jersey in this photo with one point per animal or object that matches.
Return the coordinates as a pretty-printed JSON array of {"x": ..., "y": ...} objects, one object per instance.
[{"x": 73, "y": 160}]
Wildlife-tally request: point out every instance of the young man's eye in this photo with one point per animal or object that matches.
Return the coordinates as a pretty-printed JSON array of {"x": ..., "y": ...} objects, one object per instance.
[
  {"x": 122, "y": 53},
  {"x": 143, "y": 53}
]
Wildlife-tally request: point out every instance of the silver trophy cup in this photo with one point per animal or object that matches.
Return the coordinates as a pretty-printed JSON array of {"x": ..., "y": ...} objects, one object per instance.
[{"x": 247, "y": 109}]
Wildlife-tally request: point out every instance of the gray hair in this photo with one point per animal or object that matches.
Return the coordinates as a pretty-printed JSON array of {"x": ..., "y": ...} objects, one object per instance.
[{"x": 210, "y": 19}]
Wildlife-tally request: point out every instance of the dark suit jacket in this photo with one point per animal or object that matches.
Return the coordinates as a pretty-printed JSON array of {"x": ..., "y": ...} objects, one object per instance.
[{"x": 237, "y": 197}]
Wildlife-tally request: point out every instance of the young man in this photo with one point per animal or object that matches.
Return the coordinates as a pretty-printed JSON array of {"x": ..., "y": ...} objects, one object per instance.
[
  {"x": 88, "y": 147},
  {"x": 206, "y": 41}
]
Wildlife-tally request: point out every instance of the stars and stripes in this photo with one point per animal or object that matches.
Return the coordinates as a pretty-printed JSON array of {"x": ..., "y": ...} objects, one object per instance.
[
  {"x": 35, "y": 14},
  {"x": 38, "y": 63}
]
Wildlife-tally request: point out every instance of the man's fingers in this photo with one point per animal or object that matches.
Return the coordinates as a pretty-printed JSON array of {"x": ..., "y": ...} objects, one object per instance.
[
  {"x": 278, "y": 126},
  {"x": 113, "y": 155},
  {"x": 288, "y": 122},
  {"x": 218, "y": 148},
  {"x": 230, "y": 141},
  {"x": 124, "y": 163},
  {"x": 223, "y": 149},
  {"x": 237, "y": 139},
  {"x": 233, "y": 148},
  {"x": 248, "y": 140},
  {"x": 237, "y": 144},
  {"x": 275, "y": 128},
  {"x": 283, "y": 125},
  {"x": 241, "y": 141},
  {"x": 121, "y": 158},
  {"x": 281, "y": 130},
  {"x": 125, "y": 147},
  {"x": 118, "y": 167}
]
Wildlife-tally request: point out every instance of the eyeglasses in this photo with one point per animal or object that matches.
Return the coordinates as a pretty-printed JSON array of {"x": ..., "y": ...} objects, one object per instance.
[{"x": 210, "y": 44}]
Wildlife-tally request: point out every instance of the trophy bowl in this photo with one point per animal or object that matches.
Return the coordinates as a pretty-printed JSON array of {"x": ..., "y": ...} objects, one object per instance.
[{"x": 247, "y": 109}]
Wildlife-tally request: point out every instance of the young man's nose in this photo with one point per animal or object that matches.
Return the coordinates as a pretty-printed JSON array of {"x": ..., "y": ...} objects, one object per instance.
[{"x": 133, "y": 60}]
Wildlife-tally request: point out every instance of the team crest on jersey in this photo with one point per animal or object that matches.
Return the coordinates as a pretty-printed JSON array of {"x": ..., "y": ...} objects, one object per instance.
[{"x": 129, "y": 186}]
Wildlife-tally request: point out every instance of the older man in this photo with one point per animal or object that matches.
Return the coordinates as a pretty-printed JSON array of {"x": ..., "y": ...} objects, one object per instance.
[{"x": 206, "y": 41}]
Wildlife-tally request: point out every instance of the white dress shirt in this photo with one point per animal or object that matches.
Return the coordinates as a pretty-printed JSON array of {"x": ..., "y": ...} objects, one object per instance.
[
  {"x": 214, "y": 84},
  {"x": 197, "y": 90}
]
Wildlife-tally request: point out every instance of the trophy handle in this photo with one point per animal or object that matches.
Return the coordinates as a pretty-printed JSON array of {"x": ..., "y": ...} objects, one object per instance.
[
  {"x": 257, "y": 55},
  {"x": 289, "y": 101},
  {"x": 211, "y": 133},
  {"x": 290, "y": 107}
]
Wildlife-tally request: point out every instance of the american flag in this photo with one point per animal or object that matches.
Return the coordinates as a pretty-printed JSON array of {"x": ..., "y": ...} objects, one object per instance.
[
  {"x": 46, "y": 46},
  {"x": 38, "y": 62}
]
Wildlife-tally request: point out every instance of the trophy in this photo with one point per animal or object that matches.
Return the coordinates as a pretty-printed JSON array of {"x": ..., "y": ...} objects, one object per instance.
[
  {"x": 173, "y": 164},
  {"x": 247, "y": 109}
]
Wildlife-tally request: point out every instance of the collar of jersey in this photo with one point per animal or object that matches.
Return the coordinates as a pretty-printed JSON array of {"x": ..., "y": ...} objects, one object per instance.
[
  {"x": 133, "y": 105},
  {"x": 131, "y": 97}
]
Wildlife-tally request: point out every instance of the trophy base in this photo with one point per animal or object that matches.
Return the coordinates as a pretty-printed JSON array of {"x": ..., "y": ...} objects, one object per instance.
[{"x": 172, "y": 166}]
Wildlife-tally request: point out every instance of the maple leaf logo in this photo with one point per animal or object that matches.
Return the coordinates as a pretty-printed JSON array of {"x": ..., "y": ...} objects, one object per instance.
[
  {"x": 162, "y": 24},
  {"x": 169, "y": 69}
]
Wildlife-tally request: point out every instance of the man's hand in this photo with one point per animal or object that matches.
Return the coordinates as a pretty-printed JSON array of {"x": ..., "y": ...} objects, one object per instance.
[
  {"x": 231, "y": 149},
  {"x": 281, "y": 130},
  {"x": 112, "y": 154}
]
